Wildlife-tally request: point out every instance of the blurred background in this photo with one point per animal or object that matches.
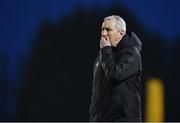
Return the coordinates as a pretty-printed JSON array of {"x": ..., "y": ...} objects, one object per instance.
[{"x": 48, "y": 48}]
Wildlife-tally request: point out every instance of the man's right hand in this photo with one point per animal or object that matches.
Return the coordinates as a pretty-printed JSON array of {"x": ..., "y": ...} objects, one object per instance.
[{"x": 104, "y": 42}]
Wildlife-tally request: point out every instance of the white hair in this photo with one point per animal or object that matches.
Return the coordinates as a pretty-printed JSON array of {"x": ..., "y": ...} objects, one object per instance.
[{"x": 120, "y": 23}]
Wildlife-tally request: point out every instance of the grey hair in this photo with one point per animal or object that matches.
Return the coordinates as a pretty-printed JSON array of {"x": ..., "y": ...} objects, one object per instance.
[{"x": 120, "y": 23}]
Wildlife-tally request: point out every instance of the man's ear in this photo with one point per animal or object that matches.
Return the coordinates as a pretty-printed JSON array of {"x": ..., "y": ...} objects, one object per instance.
[{"x": 121, "y": 33}]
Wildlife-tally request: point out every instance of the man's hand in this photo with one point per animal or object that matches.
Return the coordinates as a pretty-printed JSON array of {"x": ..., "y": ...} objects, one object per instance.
[{"x": 104, "y": 42}]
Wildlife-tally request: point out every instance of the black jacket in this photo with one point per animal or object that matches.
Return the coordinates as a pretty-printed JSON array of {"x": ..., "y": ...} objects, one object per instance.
[{"x": 116, "y": 82}]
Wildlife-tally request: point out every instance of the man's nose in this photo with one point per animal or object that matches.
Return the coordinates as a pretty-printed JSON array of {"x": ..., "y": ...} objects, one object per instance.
[{"x": 104, "y": 33}]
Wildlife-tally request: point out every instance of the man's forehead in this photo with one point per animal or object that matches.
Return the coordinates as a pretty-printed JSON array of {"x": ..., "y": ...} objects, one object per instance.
[{"x": 108, "y": 23}]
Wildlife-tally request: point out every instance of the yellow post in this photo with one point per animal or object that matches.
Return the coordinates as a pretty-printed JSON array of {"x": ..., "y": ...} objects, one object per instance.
[{"x": 154, "y": 100}]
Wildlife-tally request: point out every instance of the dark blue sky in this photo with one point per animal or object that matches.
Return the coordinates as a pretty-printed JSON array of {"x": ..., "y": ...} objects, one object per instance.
[
  {"x": 20, "y": 19},
  {"x": 159, "y": 16}
]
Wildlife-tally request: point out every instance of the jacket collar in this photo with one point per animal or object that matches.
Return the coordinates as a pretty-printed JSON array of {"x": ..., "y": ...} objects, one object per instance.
[{"x": 129, "y": 40}]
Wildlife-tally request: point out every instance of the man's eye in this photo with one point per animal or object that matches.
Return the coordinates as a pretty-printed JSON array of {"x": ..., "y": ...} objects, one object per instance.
[{"x": 108, "y": 29}]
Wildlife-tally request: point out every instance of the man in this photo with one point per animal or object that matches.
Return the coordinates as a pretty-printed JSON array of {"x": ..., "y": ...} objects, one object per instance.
[{"x": 117, "y": 74}]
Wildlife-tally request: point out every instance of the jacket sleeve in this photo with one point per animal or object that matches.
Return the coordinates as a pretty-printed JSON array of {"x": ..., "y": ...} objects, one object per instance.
[{"x": 117, "y": 69}]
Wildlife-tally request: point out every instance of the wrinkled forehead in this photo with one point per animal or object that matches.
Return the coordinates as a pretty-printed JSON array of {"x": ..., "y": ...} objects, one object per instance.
[{"x": 109, "y": 23}]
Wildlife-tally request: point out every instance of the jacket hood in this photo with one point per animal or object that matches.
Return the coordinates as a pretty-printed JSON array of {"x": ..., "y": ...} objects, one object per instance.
[{"x": 129, "y": 40}]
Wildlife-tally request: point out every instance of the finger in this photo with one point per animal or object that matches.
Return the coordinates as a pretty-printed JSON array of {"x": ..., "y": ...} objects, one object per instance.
[
  {"x": 103, "y": 38},
  {"x": 108, "y": 38}
]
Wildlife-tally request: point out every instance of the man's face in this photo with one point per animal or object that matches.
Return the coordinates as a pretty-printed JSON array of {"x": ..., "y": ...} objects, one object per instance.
[{"x": 109, "y": 30}]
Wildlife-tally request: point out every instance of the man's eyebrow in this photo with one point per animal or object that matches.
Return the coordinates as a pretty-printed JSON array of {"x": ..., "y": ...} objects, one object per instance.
[{"x": 102, "y": 28}]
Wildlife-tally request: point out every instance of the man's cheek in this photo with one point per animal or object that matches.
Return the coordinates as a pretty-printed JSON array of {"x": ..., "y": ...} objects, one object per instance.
[{"x": 110, "y": 39}]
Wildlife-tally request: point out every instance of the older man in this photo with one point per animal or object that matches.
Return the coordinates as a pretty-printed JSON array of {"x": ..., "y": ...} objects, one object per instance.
[{"x": 117, "y": 74}]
